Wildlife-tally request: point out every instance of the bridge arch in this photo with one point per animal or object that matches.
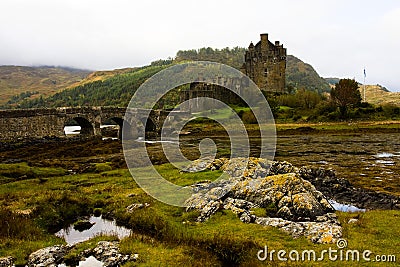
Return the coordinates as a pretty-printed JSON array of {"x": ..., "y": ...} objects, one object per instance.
[
  {"x": 86, "y": 128},
  {"x": 150, "y": 127},
  {"x": 149, "y": 124},
  {"x": 113, "y": 121}
]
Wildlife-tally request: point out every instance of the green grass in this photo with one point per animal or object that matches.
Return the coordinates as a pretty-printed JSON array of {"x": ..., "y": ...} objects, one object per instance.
[
  {"x": 165, "y": 235},
  {"x": 20, "y": 171}
]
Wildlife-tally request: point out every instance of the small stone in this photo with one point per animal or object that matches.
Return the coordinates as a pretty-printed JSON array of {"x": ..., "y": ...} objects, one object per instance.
[
  {"x": 353, "y": 220},
  {"x": 131, "y": 208},
  {"x": 134, "y": 257},
  {"x": 246, "y": 217}
]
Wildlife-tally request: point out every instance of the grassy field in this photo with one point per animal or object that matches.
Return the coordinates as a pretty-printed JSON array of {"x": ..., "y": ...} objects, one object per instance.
[
  {"x": 163, "y": 235},
  {"x": 376, "y": 95}
]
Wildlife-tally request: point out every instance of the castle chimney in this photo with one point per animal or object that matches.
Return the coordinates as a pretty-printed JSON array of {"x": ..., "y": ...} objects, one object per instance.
[
  {"x": 276, "y": 43},
  {"x": 264, "y": 37},
  {"x": 264, "y": 42}
]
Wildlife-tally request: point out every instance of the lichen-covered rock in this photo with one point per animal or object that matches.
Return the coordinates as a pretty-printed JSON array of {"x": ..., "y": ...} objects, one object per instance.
[
  {"x": 209, "y": 209},
  {"x": 6, "y": 262},
  {"x": 326, "y": 230},
  {"x": 109, "y": 254},
  {"x": 49, "y": 256},
  {"x": 205, "y": 163},
  {"x": 295, "y": 198},
  {"x": 106, "y": 252}
]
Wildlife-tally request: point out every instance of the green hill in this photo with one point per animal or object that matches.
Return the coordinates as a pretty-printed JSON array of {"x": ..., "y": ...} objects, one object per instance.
[{"x": 18, "y": 83}]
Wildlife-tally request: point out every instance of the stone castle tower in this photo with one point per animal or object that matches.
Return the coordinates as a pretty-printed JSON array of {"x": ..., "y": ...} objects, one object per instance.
[{"x": 265, "y": 64}]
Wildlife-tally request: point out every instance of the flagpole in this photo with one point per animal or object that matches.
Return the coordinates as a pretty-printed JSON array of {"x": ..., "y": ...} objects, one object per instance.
[{"x": 365, "y": 100}]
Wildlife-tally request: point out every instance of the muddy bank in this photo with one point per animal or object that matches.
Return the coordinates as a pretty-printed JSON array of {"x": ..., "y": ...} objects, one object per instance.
[{"x": 73, "y": 154}]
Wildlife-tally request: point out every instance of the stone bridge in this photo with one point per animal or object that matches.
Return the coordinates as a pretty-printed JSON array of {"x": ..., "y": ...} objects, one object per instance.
[{"x": 45, "y": 122}]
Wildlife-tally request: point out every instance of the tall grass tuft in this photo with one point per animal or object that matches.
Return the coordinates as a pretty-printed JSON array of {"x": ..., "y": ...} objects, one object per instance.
[
  {"x": 18, "y": 226},
  {"x": 60, "y": 210}
]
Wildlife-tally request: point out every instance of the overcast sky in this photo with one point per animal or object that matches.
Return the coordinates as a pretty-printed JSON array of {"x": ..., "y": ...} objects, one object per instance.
[{"x": 338, "y": 38}]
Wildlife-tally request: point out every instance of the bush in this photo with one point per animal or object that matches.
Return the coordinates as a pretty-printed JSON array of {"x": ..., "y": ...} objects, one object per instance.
[
  {"x": 391, "y": 111},
  {"x": 102, "y": 167},
  {"x": 324, "y": 108}
]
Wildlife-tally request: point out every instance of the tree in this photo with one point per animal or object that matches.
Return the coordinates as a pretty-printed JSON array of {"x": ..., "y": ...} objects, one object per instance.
[{"x": 346, "y": 95}]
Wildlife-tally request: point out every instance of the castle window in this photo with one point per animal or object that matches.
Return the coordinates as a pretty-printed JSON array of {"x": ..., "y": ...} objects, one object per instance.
[{"x": 265, "y": 72}]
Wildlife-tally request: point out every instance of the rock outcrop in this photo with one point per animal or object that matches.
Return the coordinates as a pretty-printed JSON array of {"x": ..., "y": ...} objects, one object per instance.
[
  {"x": 342, "y": 191},
  {"x": 290, "y": 202},
  {"x": 106, "y": 252}
]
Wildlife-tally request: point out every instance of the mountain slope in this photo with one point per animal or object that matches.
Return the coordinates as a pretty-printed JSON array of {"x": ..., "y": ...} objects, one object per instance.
[
  {"x": 303, "y": 75},
  {"x": 17, "y": 80}
]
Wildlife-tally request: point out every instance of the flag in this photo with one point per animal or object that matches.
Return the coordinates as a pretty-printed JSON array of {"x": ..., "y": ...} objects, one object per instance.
[{"x": 365, "y": 74}]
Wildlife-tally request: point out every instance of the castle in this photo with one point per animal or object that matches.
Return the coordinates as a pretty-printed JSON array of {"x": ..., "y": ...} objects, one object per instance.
[{"x": 265, "y": 64}]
